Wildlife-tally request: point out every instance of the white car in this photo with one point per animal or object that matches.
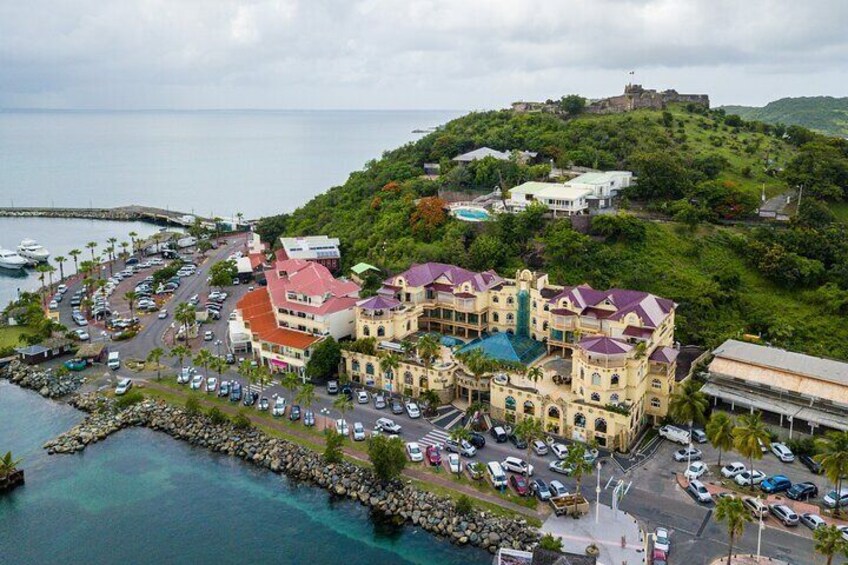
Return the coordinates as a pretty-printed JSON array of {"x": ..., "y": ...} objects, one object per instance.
[
  {"x": 540, "y": 448},
  {"x": 211, "y": 384},
  {"x": 414, "y": 452},
  {"x": 830, "y": 498},
  {"x": 412, "y": 410},
  {"x": 62, "y": 289},
  {"x": 687, "y": 454},
  {"x": 560, "y": 450},
  {"x": 197, "y": 382},
  {"x": 162, "y": 314},
  {"x": 358, "y": 431},
  {"x": 208, "y": 336},
  {"x": 782, "y": 452},
  {"x": 454, "y": 463},
  {"x": 661, "y": 540},
  {"x": 517, "y": 465},
  {"x": 695, "y": 470},
  {"x": 185, "y": 375},
  {"x": 123, "y": 386},
  {"x": 279, "y": 408},
  {"x": 699, "y": 491},
  {"x": 362, "y": 397},
  {"x": 749, "y": 478},
  {"x": 387, "y": 425},
  {"x": 557, "y": 488},
  {"x": 341, "y": 427},
  {"x": 82, "y": 335},
  {"x": 730, "y": 470}
]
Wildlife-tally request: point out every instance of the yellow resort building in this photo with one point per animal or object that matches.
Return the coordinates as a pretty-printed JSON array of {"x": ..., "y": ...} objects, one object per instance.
[{"x": 606, "y": 358}]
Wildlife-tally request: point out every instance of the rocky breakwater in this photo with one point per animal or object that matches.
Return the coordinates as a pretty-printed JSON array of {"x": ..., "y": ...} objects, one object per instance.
[
  {"x": 399, "y": 501},
  {"x": 47, "y": 382}
]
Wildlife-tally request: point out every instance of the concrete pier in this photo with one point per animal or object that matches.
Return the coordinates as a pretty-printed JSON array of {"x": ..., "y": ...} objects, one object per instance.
[{"x": 121, "y": 213}]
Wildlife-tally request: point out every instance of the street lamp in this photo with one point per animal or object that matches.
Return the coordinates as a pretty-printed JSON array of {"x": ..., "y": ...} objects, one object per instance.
[
  {"x": 598, "y": 494},
  {"x": 759, "y": 534}
]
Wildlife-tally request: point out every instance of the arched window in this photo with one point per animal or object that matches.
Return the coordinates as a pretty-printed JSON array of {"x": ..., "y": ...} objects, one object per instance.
[
  {"x": 614, "y": 398},
  {"x": 529, "y": 408},
  {"x": 407, "y": 378},
  {"x": 355, "y": 365},
  {"x": 596, "y": 379},
  {"x": 544, "y": 326},
  {"x": 510, "y": 300},
  {"x": 369, "y": 368},
  {"x": 580, "y": 420},
  {"x": 614, "y": 379},
  {"x": 495, "y": 299},
  {"x": 656, "y": 383},
  {"x": 366, "y": 331},
  {"x": 547, "y": 307},
  {"x": 655, "y": 402},
  {"x": 509, "y": 317},
  {"x": 596, "y": 397},
  {"x": 601, "y": 426},
  {"x": 495, "y": 317},
  {"x": 553, "y": 412},
  {"x": 408, "y": 325},
  {"x": 509, "y": 403},
  {"x": 381, "y": 331},
  {"x": 422, "y": 382}
]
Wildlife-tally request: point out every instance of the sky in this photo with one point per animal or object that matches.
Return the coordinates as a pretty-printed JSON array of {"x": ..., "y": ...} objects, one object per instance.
[{"x": 412, "y": 54}]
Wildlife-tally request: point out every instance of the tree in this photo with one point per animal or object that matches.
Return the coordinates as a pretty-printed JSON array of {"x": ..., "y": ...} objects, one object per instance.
[
  {"x": 262, "y": 375},
  {"x": 579, "y": 465},
  {"x": 720, "y": 432},
  {"x": 154, "y": 356},
  {"x": 735, "y": 515},
  {"x": 246, "y": 370},
  {"x": 324, "y": 360},
  {"x": 343, "y": 404},
  {"x": 130, "y": 297},
  {"x": 290, "y": 382},
  {"x": 478, "y": 363},
  {"x": 829, "y": 541},
  {"x": 125, "y": 254},
  {"x": 529, "y": 429},
  {"x": 833, "y": 457},
  {"x": 219, "y": 365},
  {"x": 688, "y": 403},
  {"x": 486, "y": 252},
  {"x": 91, "y": 245},
  {"x": 42, "y": 271},
  {"x": 223, "y": 273},
  {"x": 460, "y": 434},
  {"x": 389, "y": 363},
  {"x": 387, "y": 455},
  {"x": 75, "y": 253},
  {"x": 180, "y": 352},
  {"x": 748, "y": 434},
  {"x": 662, "y": 175},
  {"x": 429, "y": 214},
  {"x": 60, "y": 260},
  {"x": 333, "y": 446},
  {"x": 428, "y": 348},
  {"x": 430, "y": 399},
  {"x": 133, "y": 235},
  {"x": 8, "y": 464},
  {"x": 551, "y": 543},
  {"x": 186, "y": 315},
  {"x": 204, "y": 358},
  {"x": 572, "y": 104},
  {"x": 306, "y": 396},
  {"x": 534, "y": 374}
]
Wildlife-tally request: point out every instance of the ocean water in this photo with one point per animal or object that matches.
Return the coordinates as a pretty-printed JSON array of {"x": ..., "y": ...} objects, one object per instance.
[
  {"x": 213, "y": 163},
  {"x": 143, "y": 497}
]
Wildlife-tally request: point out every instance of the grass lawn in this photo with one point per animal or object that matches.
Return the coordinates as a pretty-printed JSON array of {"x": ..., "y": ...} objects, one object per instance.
[{"x": 10, "y": 336}]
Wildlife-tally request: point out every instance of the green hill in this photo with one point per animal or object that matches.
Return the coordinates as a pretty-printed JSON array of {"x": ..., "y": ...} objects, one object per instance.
[
  {"x": 697, "y": 169},
  {"x": 824, "y": 114}
]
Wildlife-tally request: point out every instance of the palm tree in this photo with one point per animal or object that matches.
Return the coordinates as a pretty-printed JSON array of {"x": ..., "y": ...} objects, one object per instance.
[
  {"x": 246, "y": 370},
  {"x": 529, "y": 429},
  {"x": 479, "y": 364},
  {"x": 42, "y": 271},
  {"x": 720, "y": 432},
  {"x": 91, "y": 245},
  {"x": 428, "y": 349},
  {"x": 430, "y": 399},
  {"x": 180, "y": 352},
  {"x": 154, "y": 356},
  {"x": 60, "y": 260},
  {"x": 580, "y": 466},
  {"x": 125, "y": 254},
  {"x": 389, "y": 364},
  {"x": 833, "y": 457},
  {"x": 204, "y": 358},
  {"x": 343, "y": 404},
  {"x": 110, "y": 253},
  {"x": 8, "y": 465},
  {"x": 290, "y": 381},
  {"x": 829, "y": 541},
  {"x": 74, "y": 253},
  {"x": 133, "y": 235},
  {"x": 262, "y": 376},
  {"x": 748, "y": 434},
  {"x": 130, "y": 297},
  {"x": 306, "y": 396},
  {"x": 185, "y": 314},
  {"x": 534, "y": 374},
  {"x": 219, "y": 365},
  {"x": 688, "y": 403},
  {"x": 734, "y": 513}
]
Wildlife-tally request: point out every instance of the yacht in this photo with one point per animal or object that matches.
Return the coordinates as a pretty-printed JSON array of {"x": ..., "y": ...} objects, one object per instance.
[
  {"x": 11, "y": 260},
  {"x": 33, "y": 251}
]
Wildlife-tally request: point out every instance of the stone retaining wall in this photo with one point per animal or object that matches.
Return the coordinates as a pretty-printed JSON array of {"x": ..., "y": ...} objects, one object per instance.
[{"x": 45, "y": 382}]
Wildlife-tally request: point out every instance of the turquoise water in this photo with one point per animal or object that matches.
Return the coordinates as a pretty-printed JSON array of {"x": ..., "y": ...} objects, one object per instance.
[
  {"x": 471, "y": 214},
  {"x": 143, "y": 497},
  {"x": 507, "y": 347}
]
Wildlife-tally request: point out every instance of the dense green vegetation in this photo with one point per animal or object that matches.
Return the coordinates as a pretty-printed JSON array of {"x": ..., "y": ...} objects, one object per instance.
[
  {"x": 686, "y": 236},
  {"x": 824, "y": 114}
]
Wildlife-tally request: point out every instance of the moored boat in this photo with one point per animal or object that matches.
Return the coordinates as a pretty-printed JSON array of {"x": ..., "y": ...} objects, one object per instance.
[
  {"x": 33, "y": 251},
  {"x": 11, "y": 260}
]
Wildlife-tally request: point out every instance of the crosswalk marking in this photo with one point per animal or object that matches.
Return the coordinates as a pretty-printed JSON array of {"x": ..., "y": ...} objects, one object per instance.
[{"x": 435, "y": 437}]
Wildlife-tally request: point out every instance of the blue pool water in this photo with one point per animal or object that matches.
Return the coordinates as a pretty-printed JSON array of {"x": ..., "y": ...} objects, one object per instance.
[
  {"x": 507, "y": 347},
  {"x": 471, "y": 214}
]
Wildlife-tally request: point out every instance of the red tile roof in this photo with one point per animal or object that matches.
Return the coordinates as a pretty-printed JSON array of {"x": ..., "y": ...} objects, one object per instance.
[
  {"x": 258, "y": 314},
  {"x": 311, "y": 279}
]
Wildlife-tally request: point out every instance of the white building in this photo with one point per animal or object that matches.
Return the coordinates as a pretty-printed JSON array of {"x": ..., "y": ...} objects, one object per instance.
[{"x": 577, "y": 196}]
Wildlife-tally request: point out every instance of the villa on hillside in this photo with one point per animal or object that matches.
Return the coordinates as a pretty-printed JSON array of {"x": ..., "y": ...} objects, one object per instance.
[
  {"x": 483, "y": 152},
  {"x": 606, "y": 357},
  {"x": 301, "y": 305},
  {"x": 588, "y": 191}
]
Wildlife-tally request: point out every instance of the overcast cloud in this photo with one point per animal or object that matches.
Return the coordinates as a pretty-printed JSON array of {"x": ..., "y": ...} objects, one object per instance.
[{"x": 411, "y": 54}]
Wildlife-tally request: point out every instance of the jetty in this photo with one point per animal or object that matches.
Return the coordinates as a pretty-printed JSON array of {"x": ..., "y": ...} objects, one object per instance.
[{"x": 120, "y": 213}]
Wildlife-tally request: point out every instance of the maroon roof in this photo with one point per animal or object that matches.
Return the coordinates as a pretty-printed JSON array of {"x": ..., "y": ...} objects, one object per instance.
[
  {"x": 440, "y": 287},
  {"x": 636, "y": 331},
  {"x": 428, "y": 273},
  {"x": 599, "y": 313},
  {"x": 664, "y": 355},
  {"x": 563, "y": 312},
  {"x": 378, "y": 303},
  {"x": 465, "y": 295},
  {"x": 651, "y": 309},
  {"x": 605, "y": 345}
]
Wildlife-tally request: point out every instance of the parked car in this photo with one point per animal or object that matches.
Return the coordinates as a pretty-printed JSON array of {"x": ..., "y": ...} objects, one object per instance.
[
  {"x": 540, "y": 448},
  {"x": 499, "y": 434},
  {"x": 235, "y": 391},
  {"x": 224, "y": 389},
  {"x": 811, "y": 464},
  {"x": 659, "y": 557},
  {"x": 560, "y": 466},
  {"x": 560, "y": 450},
  {"x": 124, "y": 385},
  {"x": 433, "y": 455},
  {"x": 196, "y": 382},
  {"x": 695, "y": 470},
  {"x": 294, "y": 413},
  {"x": 413, "y": 410},
  {"x": 517, "y": 465},
  {"x": 519, "y": 485},
  {"x": 211, "y": 384},
  {"x": 698, "y": 435},
  {"x": 782, "y": 452},
  {"x": 496, "y": 474},
  {"x": 250, "y": 398},
  {"x": 688, "y": 454},
  {"x": 454, "y": 463},
  {"x": 557, "y": 488},
  {"x": 462, "y": 447},
  {"x": 379, "y": 401},
  {"x": 517, "y": 441},
  {"x": 309, "y": 418},
  {"x": 803, "y": 491},
  {"x": 830, "y": 498},
  {"x": 776, "y": 483},
  {"x": 699, "y": 491},
  {"x": 812, "y": 521},
  {"x": 82, "y": 335},
  {"x": 332, "y": 387},
  {"x": 185, "y": 375},
  {"x": 413, "y": 451},
  {"x": 362, "y": 397},
  {"x": 75, "y": 364},
  {"x": 661, "y": 540},
  {"x": 388, "y": 426},
  {"x": 279, "y": 408},
  {"x": 358, "y": 431},
  {"x": 756, "y": 506},
  {"x": 397, "y": 406},
  {"x": 749, "y": 478},
  {"x": 675, "y": 434},
  {"x": 478, "y": 440},
  {"x": 263, "y": 403},
  {"x": 540, "y": 489},
  {"x": 784, "y": 514},
  {"x": 208, "y": 336},
  {"x": 342, "y": 427},
  {"x": 730, "y": 470}
]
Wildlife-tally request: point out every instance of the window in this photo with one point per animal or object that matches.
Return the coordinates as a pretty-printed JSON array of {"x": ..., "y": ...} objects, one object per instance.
[
  {"x": 407, "y": 378},
  {"x": 369, "y": 368},
  {"x": 509, "y": 403},
  {"x": 596, "y": 379},
  {"x": 601, "y": 426},
  {"x": 509, "y": 317},
  {"x": 495, "y": 299},
  {"x": 381, "y": 331},
  {"x": 422, "y": 382},
  {"x": 366, "y": 331},
  {"x": 656, "y": 383},
  {"x": 544, "y": 326},
  {"x": 553, "y": 412},
  {"x": 655, "y": 402},
  {"x": 580, "y": 420},
  {"x": 355, "y": 365},
  {"x": 510, "y": 300},
  {"x": 614, "y": 398},
  {"x": 596, "y": 397},
  {"x": 614, "y": 379},
  {"x": 495, "y": 317},
  {"x": 529, "y": 408}
]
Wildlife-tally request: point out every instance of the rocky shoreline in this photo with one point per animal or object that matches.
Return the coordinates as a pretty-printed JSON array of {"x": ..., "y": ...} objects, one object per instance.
[
  {"x": 47, "y": 383},
  {"x": 399, "y": 501}
]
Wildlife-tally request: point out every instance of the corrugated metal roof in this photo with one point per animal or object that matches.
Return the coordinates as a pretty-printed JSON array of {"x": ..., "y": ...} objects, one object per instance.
[{"x": 789, "y": 361}]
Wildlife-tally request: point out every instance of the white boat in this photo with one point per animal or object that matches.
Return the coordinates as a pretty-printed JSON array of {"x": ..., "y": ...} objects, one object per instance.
[
  {"x": 11, "y": 260},
  {"x": 33, "y": 251}
]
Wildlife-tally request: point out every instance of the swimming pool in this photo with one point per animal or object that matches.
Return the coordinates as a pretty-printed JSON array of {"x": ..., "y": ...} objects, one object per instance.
[
  {"x": 507, "y": 347},
  {"x": 471, "y": 214}
]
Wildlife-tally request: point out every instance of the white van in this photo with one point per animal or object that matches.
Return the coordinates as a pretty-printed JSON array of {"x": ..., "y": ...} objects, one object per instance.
[
  {"x": 114, "y": 361},
  {"x": 496, "y": 474},
  {"x": 675, "y": 434}
]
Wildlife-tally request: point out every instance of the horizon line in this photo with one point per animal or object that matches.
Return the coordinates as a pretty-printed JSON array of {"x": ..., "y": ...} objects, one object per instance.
[{"x": 43, "y": 109}]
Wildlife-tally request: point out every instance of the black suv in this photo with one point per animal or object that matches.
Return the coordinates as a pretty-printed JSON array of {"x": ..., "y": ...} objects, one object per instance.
[
  {"x": 477, "y": 439},
  {"x": 803, "y": 491},
  {"x": 811, "y": 464}
]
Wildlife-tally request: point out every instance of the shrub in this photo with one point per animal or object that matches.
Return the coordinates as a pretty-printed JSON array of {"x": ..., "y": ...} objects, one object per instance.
[
  {"x": 802, "y": 446},
  {"x": 333, "y": 446},
  {"x": 130, "y": 398},
  {"x": 217, "y": 416},
  {"x": 241, "y": 421},
  {"x": 388, "y": 457},
  {"x": 192, "y": 406},
  {"x": 464, "y": 505},
  {"x": 551, "y": 543}
]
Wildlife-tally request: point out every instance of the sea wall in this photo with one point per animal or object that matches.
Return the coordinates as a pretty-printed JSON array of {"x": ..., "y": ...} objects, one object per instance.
[
  {"x": 403, "y": 502},
  {"x": 46, "y": 382}
]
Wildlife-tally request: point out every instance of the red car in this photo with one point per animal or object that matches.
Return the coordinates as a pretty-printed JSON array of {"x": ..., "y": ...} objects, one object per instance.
[
  {"x": 659, "y": 558},
  {"x": 433, "y": 455},
  {"x": 520, "y": 485}
]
